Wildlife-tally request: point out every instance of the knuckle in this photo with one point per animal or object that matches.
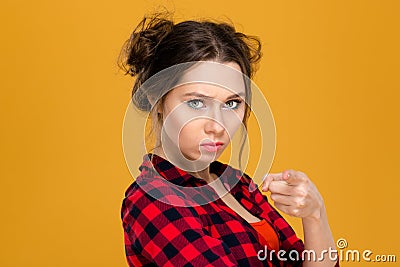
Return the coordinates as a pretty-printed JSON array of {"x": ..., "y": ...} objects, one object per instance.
[
  {"x": 301, "y": 203},
  {"x": 302, "y": 192},
  {"x": 301, "y": 173},
  {"x": 296, "y": 212},
  {"x": 302, "y": 176}
]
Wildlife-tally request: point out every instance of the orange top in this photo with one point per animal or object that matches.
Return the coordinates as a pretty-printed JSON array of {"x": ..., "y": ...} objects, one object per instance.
[{"x": 267, "y": 234}]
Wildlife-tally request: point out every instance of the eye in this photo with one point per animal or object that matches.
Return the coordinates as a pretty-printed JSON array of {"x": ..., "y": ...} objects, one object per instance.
[
  {"x": 195, "y": 103},
  {"x": 233, "y": 104}
]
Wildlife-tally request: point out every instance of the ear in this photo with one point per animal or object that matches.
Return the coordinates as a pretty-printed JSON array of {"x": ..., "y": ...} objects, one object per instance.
[
  {"x": 158, "y": 106},
  {"x": 159, "y": 109}
]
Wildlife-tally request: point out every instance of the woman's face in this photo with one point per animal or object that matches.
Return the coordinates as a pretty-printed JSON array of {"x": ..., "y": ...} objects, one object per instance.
[{"x": 201, "y": 118}]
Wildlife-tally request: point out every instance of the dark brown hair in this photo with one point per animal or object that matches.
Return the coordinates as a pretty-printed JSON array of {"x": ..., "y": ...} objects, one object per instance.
[{"x": 158, "y": 43}]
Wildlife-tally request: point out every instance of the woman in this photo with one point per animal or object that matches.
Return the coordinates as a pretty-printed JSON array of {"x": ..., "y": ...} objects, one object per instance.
[{"x": 186, "y": 208}]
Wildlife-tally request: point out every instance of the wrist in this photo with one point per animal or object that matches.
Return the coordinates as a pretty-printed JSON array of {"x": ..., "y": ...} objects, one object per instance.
[{"x": 317, "y": 215}]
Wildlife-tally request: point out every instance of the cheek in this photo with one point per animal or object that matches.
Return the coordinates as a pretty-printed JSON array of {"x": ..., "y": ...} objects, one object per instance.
[
  {"x": 189, "y": 134},
  {"x": 175, "y": 124},
  {"x": 233, "y": 121}
]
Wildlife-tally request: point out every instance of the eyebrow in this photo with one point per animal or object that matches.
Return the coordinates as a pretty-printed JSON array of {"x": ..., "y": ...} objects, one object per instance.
[{"x": 241, "y": 94}]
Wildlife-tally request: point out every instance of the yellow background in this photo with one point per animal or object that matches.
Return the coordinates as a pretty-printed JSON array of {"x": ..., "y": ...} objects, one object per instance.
[{"x": 330, "y": 72}]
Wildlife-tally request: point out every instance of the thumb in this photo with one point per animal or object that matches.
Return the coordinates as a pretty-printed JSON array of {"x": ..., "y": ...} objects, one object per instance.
[{"x": 268, "y": 178}]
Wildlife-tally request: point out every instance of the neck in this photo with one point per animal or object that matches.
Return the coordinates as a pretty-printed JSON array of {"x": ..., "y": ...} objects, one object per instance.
[{"x": 202, "y": 174}]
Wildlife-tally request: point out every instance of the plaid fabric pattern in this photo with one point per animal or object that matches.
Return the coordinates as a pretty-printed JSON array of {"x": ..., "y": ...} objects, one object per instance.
[{"x": 157, "y": 233}]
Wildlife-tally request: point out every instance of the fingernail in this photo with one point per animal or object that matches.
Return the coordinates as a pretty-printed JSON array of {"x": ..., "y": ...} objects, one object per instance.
[{"x": 264, "y": 187}]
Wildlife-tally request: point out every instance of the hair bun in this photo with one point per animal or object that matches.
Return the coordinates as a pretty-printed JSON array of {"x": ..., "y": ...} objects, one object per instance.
[{"x": 139, "y": 50}]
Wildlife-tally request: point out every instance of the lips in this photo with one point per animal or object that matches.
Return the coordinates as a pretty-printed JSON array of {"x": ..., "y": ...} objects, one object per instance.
[{"x": 212, "y": 146}]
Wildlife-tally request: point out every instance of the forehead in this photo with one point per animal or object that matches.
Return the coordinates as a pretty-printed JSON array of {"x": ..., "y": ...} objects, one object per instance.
[
  {"x": 213, "y": 78},
  {"x": 206, "y": 90}
]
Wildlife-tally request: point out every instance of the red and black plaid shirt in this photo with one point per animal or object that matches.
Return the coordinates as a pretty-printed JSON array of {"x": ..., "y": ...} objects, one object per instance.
[{"x": 188, "y": 234}]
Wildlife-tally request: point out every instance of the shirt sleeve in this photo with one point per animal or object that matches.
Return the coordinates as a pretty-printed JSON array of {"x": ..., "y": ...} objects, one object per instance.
[{"x": 159, "y": 233}]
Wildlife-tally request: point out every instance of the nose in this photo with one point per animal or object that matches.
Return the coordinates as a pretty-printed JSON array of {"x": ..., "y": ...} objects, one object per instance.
[
  {"x": 213, "y": 127},
  {"x": 214, "y": 124}
]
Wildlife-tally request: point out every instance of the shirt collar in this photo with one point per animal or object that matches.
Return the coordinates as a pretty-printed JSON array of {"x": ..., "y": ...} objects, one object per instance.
[
  {"x": 229, "y": 176},
  {"x": 238, "y": 183}
]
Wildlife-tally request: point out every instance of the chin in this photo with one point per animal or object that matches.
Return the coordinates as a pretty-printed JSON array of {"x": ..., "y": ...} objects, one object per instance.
[{"x": 206, "y": 157}]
